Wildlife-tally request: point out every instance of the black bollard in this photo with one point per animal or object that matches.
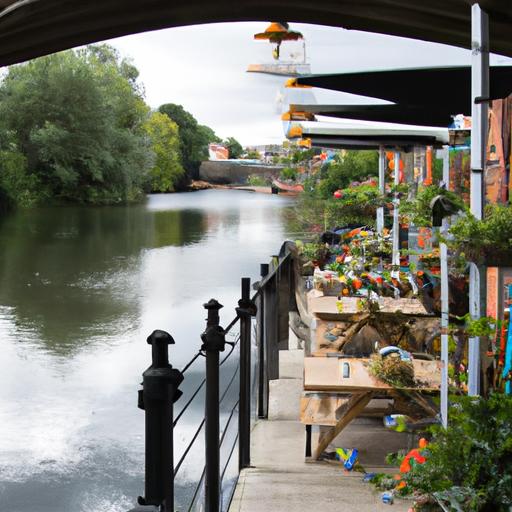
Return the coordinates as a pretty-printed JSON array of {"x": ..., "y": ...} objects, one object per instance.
[
  {"x": 159, "y": 392},
  {"x": 213, "y": 343}
]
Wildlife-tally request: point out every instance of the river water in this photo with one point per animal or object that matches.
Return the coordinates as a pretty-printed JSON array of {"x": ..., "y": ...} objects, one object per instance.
[{"x": 80, "y": 290}]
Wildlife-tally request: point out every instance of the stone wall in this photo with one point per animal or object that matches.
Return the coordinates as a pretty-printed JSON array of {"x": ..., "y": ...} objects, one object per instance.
[{"x": 226, "y": 172}]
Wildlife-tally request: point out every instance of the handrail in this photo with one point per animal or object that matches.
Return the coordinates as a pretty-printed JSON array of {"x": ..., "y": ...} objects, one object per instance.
[{"x": 213, "y": 338}]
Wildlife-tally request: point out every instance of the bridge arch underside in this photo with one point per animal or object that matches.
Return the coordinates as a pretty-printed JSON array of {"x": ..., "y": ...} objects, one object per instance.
[{"x": 31, "y": 28}]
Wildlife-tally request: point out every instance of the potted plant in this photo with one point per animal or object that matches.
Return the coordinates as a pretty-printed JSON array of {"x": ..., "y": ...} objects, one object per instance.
[{"x": 485, "y": 242}]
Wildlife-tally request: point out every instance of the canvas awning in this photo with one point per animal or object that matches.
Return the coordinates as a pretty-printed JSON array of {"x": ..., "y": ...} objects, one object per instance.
[
  {"x": 30, "y": 28},
  {"x": 424, "y": 116},
  {"x": 426, "y": 96},
  {"x": 371, "y": 136}
]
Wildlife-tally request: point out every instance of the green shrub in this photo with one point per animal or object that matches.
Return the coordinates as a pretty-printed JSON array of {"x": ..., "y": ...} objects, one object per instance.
[
  {"x": 469, "y": 464},
  {"x": 288, "y": 173},
  {"x": 418, "y": 209},
  {"x": 257, "y": 181},
  {"x": 477, "y": 239}
]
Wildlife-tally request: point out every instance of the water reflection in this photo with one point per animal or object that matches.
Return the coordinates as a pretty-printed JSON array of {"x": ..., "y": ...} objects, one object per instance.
[
  {"x": 80, "y": 290},
  {"x": 70, "y": 273}
]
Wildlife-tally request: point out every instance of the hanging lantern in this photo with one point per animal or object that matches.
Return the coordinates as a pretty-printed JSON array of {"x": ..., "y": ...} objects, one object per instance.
[
  {"x": 276, "y": 33},
  {"x": 390, "y": 155}
]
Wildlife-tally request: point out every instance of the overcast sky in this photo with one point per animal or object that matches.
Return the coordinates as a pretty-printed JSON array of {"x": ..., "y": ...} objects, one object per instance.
[{"x": 204, "y": 67}]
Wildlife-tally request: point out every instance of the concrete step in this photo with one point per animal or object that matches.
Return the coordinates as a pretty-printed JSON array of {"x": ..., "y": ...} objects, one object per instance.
[
  {"x": 284, "y": 399},
  {"x": 291, "y": 364}
]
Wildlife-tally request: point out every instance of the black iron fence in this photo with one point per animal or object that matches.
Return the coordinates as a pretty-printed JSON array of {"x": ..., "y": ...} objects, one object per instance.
[{"x": 261, "y": 338}]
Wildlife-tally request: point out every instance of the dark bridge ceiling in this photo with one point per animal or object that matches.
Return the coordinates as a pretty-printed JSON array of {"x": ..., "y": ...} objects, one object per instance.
[{"x": 31, "y": 28}]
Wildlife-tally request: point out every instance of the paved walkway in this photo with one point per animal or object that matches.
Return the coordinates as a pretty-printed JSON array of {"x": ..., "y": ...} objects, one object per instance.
[{"x": 282, "y": 481}]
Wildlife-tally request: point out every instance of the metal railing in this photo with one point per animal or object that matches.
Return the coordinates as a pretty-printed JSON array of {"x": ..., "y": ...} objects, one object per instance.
[{"x": 160, "y": 389}]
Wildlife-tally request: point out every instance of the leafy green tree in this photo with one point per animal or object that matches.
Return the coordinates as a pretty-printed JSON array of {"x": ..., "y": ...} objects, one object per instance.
[
  {"x": 347, "y": 167},
  {"x": 194, "y": 138},
  {"x": 76, "y": 118},
  {"x": 234, "y": 147},
  {"x": 252, "y": 154},
  {"x": 167, "y": 171}
]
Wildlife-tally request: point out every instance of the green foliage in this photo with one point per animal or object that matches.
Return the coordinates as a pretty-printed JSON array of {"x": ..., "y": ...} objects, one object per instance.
[
  {"x": 357, "y": 207},
  {"x": 194, "y": 138},
  {"x": 288, "y": 173},
  {"x": 479, "y": 240},
  {"x": 257, "y": 181},
  {"x": 167, "y": 171},
  {"x": 17, "y": 186},
  {"x": 418, "y": 209},
  {"x": 480, "y": 327},
  {"x": 234, "y": 147},
  {"x": 313, "y": 251},
  {"x": 346, "y": 168},
  {"x": 469, "y": 465},
  {"x": 437, "y": 170},
  {"x": 75, "y": 118},
  {"x": 253, "y": 155}
]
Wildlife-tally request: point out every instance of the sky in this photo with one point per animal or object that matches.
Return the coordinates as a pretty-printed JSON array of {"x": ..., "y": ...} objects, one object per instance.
[{"x": 203, "y": 68}]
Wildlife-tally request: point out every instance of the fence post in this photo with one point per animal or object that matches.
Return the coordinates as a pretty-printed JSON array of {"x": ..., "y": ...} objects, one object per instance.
[
  {"x": 271, "y": 321},
  {"x": 246, "y": 309},
  {"x": 260, "y": 335},
  {"x": 157, "y": 396},
  {"x": 213, "y": 343}
]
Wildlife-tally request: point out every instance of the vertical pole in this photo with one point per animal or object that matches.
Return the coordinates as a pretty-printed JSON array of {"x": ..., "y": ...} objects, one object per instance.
[
  {"x": 382, "y": 189},
  {"x": 479, "y": 92},
  {"x": 262, "y": 354},
  {"x": 159, "y": 392},
  {"x": 213, "y": 344},
  {"x": 244, "y": 409},
  {"x": 308, "y": 440},
  {"x": 396, "y": 223},
  {"x": 444, "y": 303},
  {"x": 272, "y": 328}
]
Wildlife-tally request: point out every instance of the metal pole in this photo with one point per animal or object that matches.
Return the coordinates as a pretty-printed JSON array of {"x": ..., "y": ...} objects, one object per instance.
[
  {"x": 444, "y": 303},
  {"x": 213, "y": 343},
  {"x": 382, "y": 189},
  {"x": 479, "y": 108},
  {"x": 158, "y": 394},
  {"x": 396, "y": 223},
  {"x": 244, "y": 411},
  {"x": 260, "y": 330}
]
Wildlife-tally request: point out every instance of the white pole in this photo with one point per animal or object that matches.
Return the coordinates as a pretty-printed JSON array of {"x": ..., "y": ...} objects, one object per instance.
[
  {"x": 444, "y": 302},
  {"x": 396, "y": 223},
  {"x": 382, "y": 189},
  {"x": 479, "y": 89}
]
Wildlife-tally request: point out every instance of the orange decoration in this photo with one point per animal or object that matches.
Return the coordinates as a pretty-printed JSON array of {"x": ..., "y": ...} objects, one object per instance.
[
  {"x": 390, "y": 155},
  {"x": 400, "y": 165}
]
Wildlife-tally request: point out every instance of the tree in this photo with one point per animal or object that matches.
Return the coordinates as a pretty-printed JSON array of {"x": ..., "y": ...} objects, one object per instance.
[
  {"x": 194, "y": 138},
  {"x": 234, "y": 147},
  {"x": 347, "y": 167},
  {"x": 167, "y": 171},
  {"x": 76, "y": 119},
  {"x": 252, "y": 154}
]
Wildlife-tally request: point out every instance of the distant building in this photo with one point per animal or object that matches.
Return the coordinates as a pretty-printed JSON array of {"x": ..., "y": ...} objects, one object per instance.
[{"x": 218, "y": 152}]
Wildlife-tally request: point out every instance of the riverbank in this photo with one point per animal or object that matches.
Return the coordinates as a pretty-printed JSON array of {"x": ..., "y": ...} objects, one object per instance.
[{"x": 196, "y": 185}]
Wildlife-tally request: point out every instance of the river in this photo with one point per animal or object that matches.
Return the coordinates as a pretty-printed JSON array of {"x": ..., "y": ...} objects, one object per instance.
[{"x": 80, "y": 290}]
